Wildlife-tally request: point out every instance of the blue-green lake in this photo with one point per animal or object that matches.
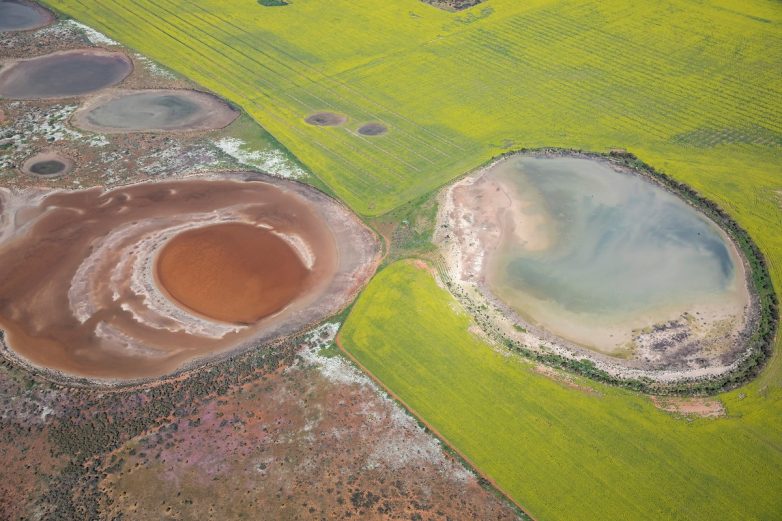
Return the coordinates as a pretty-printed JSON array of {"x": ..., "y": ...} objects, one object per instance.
[{"x": 591, "y": 252}]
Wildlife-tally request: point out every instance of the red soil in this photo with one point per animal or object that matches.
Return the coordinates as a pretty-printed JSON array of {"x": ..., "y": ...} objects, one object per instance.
[{"x": 231, "y": 272}]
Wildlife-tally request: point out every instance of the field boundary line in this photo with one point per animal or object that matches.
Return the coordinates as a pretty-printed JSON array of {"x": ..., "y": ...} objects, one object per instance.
[
  {"x": 270, "y": 112},
  {"x": 376, "y": 145},
  {"x": 473, "y": 467}
]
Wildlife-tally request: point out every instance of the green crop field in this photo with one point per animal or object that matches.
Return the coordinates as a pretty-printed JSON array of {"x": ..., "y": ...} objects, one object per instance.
[
  {"x": 686, "y": 85},
  {"x": 565, "y": 453},
  {"x": 691, "y": 87}
]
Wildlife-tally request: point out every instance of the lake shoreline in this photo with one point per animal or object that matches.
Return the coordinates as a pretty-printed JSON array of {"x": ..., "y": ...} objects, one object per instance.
[{"x": 506, "y": 327}]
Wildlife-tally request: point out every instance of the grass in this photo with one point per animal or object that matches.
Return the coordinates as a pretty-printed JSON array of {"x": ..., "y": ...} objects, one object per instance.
[
  {"x": 690, "y": 87},
  {"x": 593, "y": 452},
  {"x": 409, "y": 229},
  {"x": 667, "y": 81},
  {"x": 256, "y": 140}
]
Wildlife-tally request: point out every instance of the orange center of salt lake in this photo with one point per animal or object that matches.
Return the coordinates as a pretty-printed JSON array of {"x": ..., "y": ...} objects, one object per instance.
[{"x": 233, "y": 272}]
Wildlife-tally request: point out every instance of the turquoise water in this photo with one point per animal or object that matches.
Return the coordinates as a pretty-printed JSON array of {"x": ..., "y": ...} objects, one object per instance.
[{"x": 614, "y": 243}]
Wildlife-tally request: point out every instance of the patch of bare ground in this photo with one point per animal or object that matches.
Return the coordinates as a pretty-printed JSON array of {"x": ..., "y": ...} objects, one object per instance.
[
  {"x": 564, "y": 378},
  {"x": 312, "y": 441},
  {"x": 326, "y": 119},
  {"x": 702, "y": 407},
  {"x": 373, "y": 129},
  {"x": 29, "y": 469},
  {"x": 282, "y": 432},
  {"x": 422, "y": 265},
  {"x": 24, "y": 44},
  {"x": 27, "y": 466},
  {"x": 452, "y": 5}
]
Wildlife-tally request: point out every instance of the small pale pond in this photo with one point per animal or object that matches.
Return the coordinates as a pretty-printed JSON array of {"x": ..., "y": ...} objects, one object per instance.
[
  {"x": 64, "y": 74},
  {"x": 18, "y": 15},
  {"x": 154, "y": 110}
]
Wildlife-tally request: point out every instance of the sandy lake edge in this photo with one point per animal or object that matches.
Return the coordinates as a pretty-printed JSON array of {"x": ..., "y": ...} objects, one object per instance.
[{"x": 501, "y": 324}]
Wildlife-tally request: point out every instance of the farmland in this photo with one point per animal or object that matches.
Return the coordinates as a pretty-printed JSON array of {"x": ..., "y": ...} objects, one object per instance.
[
  {"x": 688, "y": 87},
  {"x": 564, "y": 448},
  {"x": 691, "y": 88}
]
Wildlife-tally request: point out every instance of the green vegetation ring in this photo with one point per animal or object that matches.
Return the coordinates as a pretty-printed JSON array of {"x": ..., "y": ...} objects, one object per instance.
[{"x": 698, "y": 347}]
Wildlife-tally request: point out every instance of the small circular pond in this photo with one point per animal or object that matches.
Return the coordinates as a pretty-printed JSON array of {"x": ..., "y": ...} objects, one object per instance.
[
  {"x": 48, "y": 164},
  {"x": 157, "y": 110},
  {"x": 373, "y": 129},
  {"x": 326, "y": 119},
  {"x": 63, "y": 74},
  {"x": 20, "y": 15}
]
